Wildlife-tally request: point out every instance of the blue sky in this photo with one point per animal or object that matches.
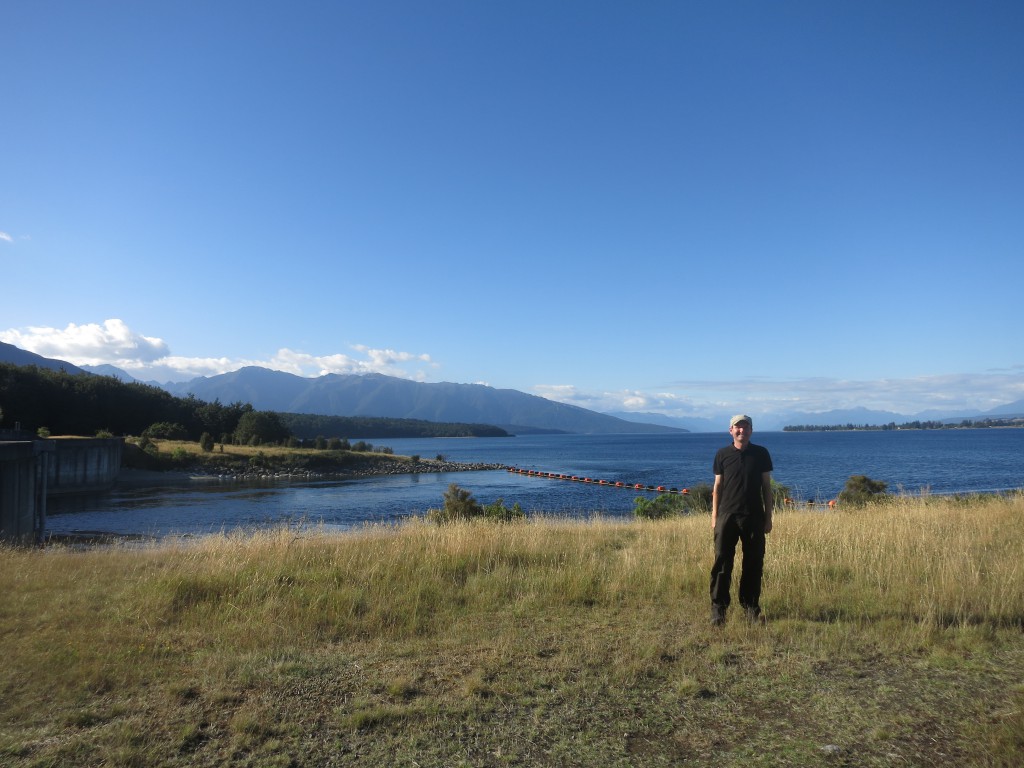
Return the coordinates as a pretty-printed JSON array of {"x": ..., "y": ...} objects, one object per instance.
[{"x": 682, "y": 207}]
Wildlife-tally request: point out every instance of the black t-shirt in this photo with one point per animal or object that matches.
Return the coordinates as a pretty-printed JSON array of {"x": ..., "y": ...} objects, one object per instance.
[{"x": 741, "y": 471}]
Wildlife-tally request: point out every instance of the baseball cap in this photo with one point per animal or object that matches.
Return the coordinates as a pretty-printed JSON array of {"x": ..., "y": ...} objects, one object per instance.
[{"x": 738, "y": 418}]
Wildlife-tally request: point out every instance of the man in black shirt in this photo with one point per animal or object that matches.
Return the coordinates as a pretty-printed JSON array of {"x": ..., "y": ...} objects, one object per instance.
[{"x": 741, "y": 510}]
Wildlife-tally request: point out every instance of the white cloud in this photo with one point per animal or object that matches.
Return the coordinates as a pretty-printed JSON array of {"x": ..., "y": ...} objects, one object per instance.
[
  {"x": 149, "y": 359},
  {"x": 91, "y": 344},
  {"x": 624, "y": 400},
  {"x": 712, "y": 398},
  {"x": 5, "y": 236},
  {"x": 386, "y": 361}
]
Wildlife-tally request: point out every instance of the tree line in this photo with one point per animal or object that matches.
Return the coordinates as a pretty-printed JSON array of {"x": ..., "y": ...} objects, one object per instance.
[
  {"x": 306, "y": 426},
  {"x": 45, "y": 401}
]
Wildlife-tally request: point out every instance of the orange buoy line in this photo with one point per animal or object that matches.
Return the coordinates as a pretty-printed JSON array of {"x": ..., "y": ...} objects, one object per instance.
[{"x": 593, "y": 481}]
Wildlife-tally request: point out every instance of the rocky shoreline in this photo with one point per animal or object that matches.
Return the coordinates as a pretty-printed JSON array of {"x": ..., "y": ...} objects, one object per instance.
[{"x": 377, "y": 468}]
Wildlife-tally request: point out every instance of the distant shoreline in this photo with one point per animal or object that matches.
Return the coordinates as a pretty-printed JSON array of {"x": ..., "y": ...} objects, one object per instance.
[{"x": 900, "y": 428}]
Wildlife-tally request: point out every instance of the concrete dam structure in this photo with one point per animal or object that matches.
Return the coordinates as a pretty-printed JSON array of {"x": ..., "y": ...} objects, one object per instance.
[
  {"x": 32, "y": 470},
  {"x": 81, "y": 465}
]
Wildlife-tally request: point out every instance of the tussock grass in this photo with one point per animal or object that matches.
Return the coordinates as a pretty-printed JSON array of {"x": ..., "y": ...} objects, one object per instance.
[{"x": 895, "y": 637}]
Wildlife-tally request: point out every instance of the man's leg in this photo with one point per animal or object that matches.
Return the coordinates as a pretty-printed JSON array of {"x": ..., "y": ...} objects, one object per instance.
[
  {"x": 726, "y": 535},
  {"x": 753, "y": 540}
]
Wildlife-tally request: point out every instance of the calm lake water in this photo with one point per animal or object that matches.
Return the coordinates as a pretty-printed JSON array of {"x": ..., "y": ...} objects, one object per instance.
[{"x": 815, "y": 465}]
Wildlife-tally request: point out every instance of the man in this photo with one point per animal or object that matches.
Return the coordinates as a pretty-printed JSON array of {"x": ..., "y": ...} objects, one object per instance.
[{"x": 741, "y": 510}]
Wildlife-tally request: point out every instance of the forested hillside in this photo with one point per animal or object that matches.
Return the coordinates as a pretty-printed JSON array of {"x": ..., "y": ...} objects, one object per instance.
[
  {"x": 61, "y": 403},
  {"x": 306, "y": 426},
  {"x": 83, "y": 404}
]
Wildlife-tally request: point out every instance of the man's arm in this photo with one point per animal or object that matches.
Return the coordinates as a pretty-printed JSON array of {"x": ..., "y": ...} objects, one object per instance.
[
  {"x": 714, "y": 500},
  {"x": 769, "y": 500}
]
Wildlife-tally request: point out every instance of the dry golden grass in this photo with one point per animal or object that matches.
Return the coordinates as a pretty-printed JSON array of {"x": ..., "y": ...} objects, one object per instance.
[{"x": 894, "y": 638}]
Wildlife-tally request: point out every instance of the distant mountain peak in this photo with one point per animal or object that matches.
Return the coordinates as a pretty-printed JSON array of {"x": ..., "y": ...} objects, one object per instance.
[{"x": 17, "y": 356}]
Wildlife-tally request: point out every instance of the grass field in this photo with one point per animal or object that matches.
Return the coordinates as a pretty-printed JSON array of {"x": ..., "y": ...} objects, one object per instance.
[{"x": 895, "y": 637}]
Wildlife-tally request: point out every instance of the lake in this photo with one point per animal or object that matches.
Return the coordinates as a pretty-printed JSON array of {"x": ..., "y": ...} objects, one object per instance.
[{"x": 814, "y": 465}]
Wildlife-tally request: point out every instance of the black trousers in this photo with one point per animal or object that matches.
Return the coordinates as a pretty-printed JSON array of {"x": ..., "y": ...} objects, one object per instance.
[{"x": 750, "y": 531}]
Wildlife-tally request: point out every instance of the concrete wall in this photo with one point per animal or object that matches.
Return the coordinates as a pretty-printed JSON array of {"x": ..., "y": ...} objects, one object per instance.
[
  {"x": 22, "y": 491},
  {"x": 81, "y": 464}
]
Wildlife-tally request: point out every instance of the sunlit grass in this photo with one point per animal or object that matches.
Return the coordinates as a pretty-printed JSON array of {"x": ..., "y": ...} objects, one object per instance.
[{"x": 894, "y": 630}]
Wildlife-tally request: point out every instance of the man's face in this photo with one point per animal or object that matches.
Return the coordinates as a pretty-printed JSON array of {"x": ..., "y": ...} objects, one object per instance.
[{"x": 740, "y": 432}]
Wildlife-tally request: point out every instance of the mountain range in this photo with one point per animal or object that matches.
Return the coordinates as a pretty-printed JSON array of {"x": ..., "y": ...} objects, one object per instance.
[
  {"x": 374, "y": 394},
  {"x": 516, "y": 412}
]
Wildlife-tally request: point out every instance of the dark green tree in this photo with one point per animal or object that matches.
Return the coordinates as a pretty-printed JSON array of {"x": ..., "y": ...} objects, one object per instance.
[
  {"x": 165, "y": 431},
  {"x": 261, "y": 426}
]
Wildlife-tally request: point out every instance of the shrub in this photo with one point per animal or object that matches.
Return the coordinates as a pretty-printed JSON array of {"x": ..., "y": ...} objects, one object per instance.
[
  {"x": 699, "y": 498},
  {"x": 104, "y": 433},
  {"x": 43, "y": 432},
  {"x": 861, "y": 490},
  {"x": 780, "y": 493},
  {"x": 459, "y": 504},
  {"x": 499, "y": 513},
  {"x": 206, "y": 442},
  {"x": 660, "y": 507}
]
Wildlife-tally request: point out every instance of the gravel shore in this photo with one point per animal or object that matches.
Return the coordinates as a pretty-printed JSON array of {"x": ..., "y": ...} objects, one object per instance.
[{"x": 375, "y": 469}]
